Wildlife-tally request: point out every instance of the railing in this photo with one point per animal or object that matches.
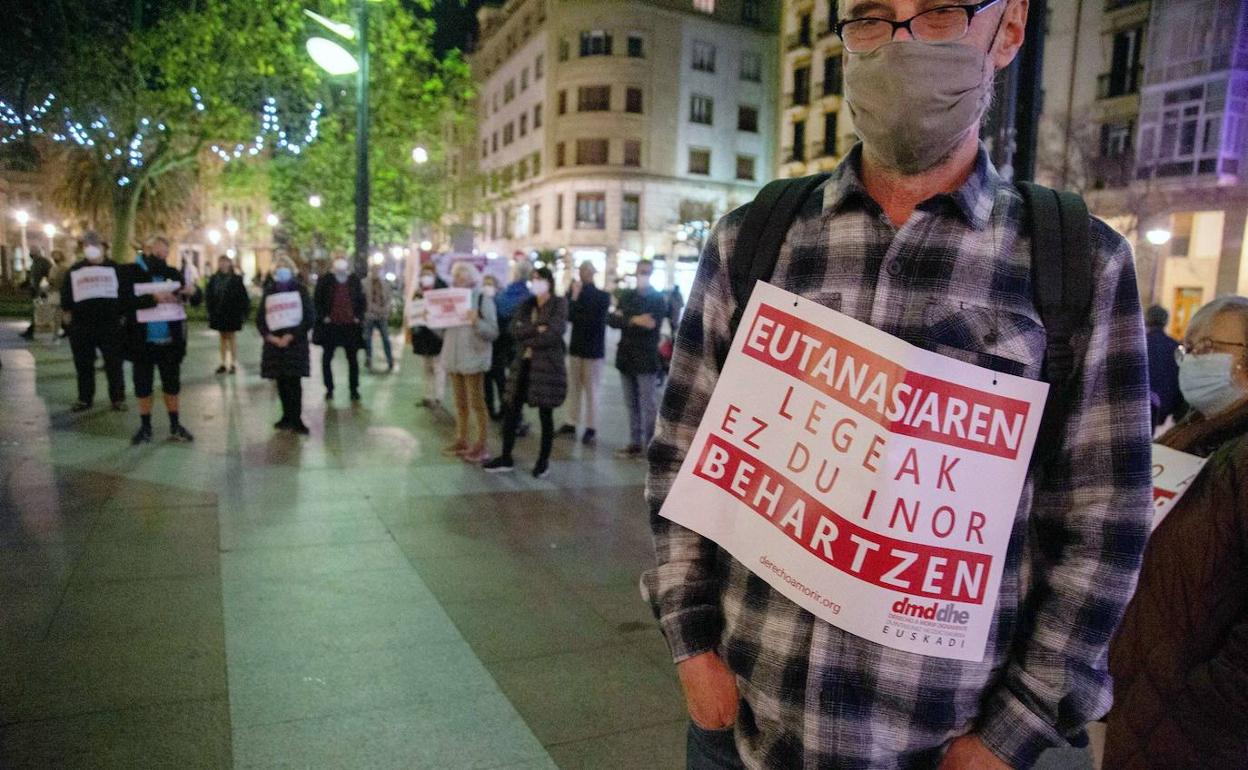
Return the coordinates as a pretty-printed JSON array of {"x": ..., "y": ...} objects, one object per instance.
[
  {"x": 793, "y": 154},
  {"x": 1111, "y": 85},
  {"x": 797, "y": 99}
]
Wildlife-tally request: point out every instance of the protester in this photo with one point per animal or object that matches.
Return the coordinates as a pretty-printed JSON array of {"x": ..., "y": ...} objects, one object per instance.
[
  {"x": 587, "y": 312},
  {"x": 228, "y": 305},
  {"x": 638, "y": 316},
  {"x": 380, "y": 304},
  {"x": 94, "y": 323},
  {"x": 40, "y": 267},
  {"x": 1180, "y": 658},
  {"x": 1163, "y": 370},
  {"x": 155, "y": 345},
  {"x": 56, "y": 281},
  {"x": 495, "y": 380},
  {"x": 285, "y": 355},
  {"x": 466, "y": 353},
  {"x": 515, "y": 294},
  {"x": 340, "y": 306},
  {"x": 916, "y": 234},
  {"x": 427, "y": 343},
  {"x": 539, "y": 377},
  {"x": 675, "y": 308}
]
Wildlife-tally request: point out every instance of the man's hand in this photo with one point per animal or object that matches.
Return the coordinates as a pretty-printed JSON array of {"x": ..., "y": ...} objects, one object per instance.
[
  {"x": 710, "y": 691},
  {"x": 970, "y": 753},
  {"x": 645, "y": 321}
]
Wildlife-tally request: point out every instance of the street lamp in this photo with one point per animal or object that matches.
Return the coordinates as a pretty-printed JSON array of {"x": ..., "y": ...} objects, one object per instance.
[
  {"x": 50, "y": 230},
  {"x": 336, "y": 60},
  {"x": 272, "y": 220},
  {"x": 314, "y": 201},
  {"x": 426, "y": 245},
  {"x": 23, "y": 218},
  {"x": 420, "y": 155},
  {"x": 1158, "y": 236},
  {"x": 214, "y": 237}
]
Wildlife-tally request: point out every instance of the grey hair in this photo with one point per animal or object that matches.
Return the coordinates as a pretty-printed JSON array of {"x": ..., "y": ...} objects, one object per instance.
[
  {"x": 468, "y": 269},
  {"x": 1231, "y": 303},
  {"x": 524, "y": 269}
]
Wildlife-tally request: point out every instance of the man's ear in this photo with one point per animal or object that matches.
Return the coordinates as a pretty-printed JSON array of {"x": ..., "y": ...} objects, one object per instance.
[{"x": 1013, "y": 30}]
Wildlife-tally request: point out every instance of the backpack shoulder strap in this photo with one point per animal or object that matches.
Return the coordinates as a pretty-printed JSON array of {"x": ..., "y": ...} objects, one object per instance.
[
  {"x": 1061, "y": 270},
  {"x": 758, "y": 242}
]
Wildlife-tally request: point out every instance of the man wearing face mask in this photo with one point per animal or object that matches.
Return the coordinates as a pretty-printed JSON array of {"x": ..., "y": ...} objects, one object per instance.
[
  {"x": 638, "y": 316},
  {"x": 917, "y": 235},
  {"x": 340, "y": 306},
  {"x": 92, "y": 315}
]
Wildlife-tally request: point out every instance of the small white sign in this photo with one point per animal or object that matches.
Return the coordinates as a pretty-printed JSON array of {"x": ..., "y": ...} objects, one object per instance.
[
  {"x": 93, "y": 283},
  {"x": 447, "y": 308},
  {"x": 1173, "y": 473},
  {"x": 283, "y": 310},
  {"x": 156, "y": 287},
  {"x": 415, "y": 312},
  {"x": 164, "y": 311}
]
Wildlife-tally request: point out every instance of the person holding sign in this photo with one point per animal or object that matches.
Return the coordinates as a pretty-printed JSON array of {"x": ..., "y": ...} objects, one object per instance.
[
  {"x": 340, "y": 307},
  {"x": 155, "y": 333},
  {"x": 1180, "y": 659},
  {"x": 915, "y": 235},
  {"x": 466, "y": 353},
  {"x": 92, "y": 315},
  {"x": 284, "y": 320},
  {"x": 427, "y": 343}
]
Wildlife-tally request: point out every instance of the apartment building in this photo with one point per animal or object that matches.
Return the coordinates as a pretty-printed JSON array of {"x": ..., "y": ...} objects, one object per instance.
[
  {"x": 615, "y": 130},
  {"x": 815, "y": 129}
]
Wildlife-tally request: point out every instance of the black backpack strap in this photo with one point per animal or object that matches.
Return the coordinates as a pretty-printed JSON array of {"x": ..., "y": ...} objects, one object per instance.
[
  {"x": 1061, "y": 270},
  {"x": 767, "y": 222}
]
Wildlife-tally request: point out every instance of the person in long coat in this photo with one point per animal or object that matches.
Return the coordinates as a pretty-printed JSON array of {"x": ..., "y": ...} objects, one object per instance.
[
  {"x": 466, "y": 355},
  {"x": 228, "y": 305},
  {"x": 285, "y": 355},
  {"x": 539, "y": 375},
  {"x": 427, "y": 343}
]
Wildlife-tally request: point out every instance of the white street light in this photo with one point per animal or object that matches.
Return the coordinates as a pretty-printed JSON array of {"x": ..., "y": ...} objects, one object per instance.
[
  {"x": 314, "y": 201},
  {"x": 214, "y": 237},
  {"x": 390, "y": 277},
  {"x": 378, "y": 257},
  {"x": 1158, "y": 236},
  {"x": 332, "y": 57},
  {"x": 49, "y": 230},
  {"x": 272, "y": 220},
  {"x": 396, "y": 252},
  {"x": 22, "y": 216},
  {"x": 337, "y": 27},
  {"x": 231, "y": 226},
  {"x": 420, "y": 155},
  {"x": 426, "y": 245}
]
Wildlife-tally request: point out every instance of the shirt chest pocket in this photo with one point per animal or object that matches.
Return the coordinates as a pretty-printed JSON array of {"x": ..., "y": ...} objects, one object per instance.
[{"x": 996, "y": 339}]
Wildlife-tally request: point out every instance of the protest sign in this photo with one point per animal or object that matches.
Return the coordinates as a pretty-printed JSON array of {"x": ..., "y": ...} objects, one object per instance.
[
  {"x": 415, "y": 312},
  {"x": 1173, "y": 473},
  {"x": 93, "y": 283},
  {"x": 156, "y": 287},
  {"x": 164, "y": 311},
  {"x": 283, "y": 310},
  {"x": 445, "y": 308},
  {"x": 871, "y": 482}
]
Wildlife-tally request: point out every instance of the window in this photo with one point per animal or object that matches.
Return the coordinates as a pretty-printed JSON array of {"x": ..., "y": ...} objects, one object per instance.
[
  {"x": 703, "y": 56},
  {"x": 537, "y": 116},
  {"x": 509, "y": 91},
  {"x": 593, "y": 99},
  {"x": 699, "y": 161},
  {"x": 636, "y": 49},
  {"x": 524, "y": 79},
  {"x": 560, "y": 155},
  {"x": 591, "y": 211},
  {"x": 747, "y": 119},
  {"x": 630, "y": 212},
  {"x": 1116, "y": 139},
  {"x": 596, "y": 43},
  {"x": 494, "y": 142},
  {"x": 522, "y": 170},
  {"x": 539, "y": 67},
  {"x": 559, "y": 211},
  {"x": 752, "y": 14},
  {"x": 591, "y": 152},
  {"x": 509, "y": 134},
  {"x": 537, "y": 164},
  {"x": 563, "y": 50},
  {"x": 701, "y": 109},
  {"x": 485, "y": 148},
  {"x": 632, "y": 153},
  {"x": 751, "y": 67},
  {"x": 801, "y": 85},
  {"x": 563, "y": 102},
  {"x": 745, "y": 167},
  {"x": 632, "y": 101},
  {"x": 496, "y": 101},
  {"x": 799, "y": 142},
  {"x": 524, "y": 124},
  {"x": 803, "y": 30},
  {"x": 1125, "y": 70},
  {"x": 537, "y": 218},
  {"x": 705, "y": 6},
  {"x": 829, "y": 134},
  {"x": 832, "y": 76}
]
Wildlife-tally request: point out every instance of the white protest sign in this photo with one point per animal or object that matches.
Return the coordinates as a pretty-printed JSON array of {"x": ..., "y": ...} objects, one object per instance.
[
  {"x": 93, "y": 283},
  {"x": 156, "y": 287},
  {"x": 415, "y": 312},
  {"x": 1173, "y": 473},
  {"x": 283, "y": 310},
  {"x": 445, "y": 308},
  {"x": 164, "y": 311},
  {"x": 871, "y": 482}
]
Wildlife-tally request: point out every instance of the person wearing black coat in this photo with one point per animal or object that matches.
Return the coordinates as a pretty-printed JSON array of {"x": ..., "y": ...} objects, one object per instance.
[
  {"x": 93, "y": 322},
  {"x": 228, "y": 305},
  {"x": 639, "y": 316},
  {"x": 587, "y": 312},
  {"x": 427, "y": 343},
  {"x": 284, "y": 357},
  {"x": 340, "y": 307},
  {"x": 157, "y": 345}
]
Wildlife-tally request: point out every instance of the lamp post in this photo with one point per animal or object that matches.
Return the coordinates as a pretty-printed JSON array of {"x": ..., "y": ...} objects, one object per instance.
[
  {"x": 231, "y": 227},
  {"x": 1158, "y": 237},
  {"x": 23, "y": 219},
  {"x": 49, "y": 230}
]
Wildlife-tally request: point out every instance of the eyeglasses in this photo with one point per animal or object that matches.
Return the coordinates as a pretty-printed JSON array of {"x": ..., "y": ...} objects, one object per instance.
[
  {"x": 945, "y": 24},
  {"x": 1202, "y": 346}
]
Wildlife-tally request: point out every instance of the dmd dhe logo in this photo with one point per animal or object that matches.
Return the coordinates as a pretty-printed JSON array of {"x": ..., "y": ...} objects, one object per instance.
[{"x": 947, "y": 613}]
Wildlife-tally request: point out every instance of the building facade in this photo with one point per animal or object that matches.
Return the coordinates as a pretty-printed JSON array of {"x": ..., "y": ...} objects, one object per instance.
[
  {"x": 815, "y": 128},
  {"x": 617, "y": 130},
  {"x": 1146, "y": 113}
]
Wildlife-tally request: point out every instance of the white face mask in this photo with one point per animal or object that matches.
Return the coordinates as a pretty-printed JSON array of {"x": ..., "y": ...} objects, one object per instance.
[
  {"x": 489, "y": 291},
  {"x": 341, "y": 266},
  {"x": 93, "y": 253},
  {"x": 1208, "y": 383},
  {"x": 540, "y": 287},
  {"x": 426, "y": 281}
]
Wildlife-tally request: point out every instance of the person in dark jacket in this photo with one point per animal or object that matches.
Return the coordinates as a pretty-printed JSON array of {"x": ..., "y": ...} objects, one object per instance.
[
  {"x": 1163, "y": 370},
  {"x": 587, "y": 311},
  {"x": 40, "y": 268},
  {"x": 506, "y": 303},
  {"x": 284, "y": 357},
  {"x": 427, "y": 343},
  {"x": 155, "y": 345},
  {"x": 539, "y": 377},
  {"x": 638, "y": 316},
  {"x": 495, "y": 381},
  {"x": 1180, "y": 658},
  {"x": 91, "y": 312},
  {"x": 340, "y": 308},
  {"x": 228, "y": 305}
]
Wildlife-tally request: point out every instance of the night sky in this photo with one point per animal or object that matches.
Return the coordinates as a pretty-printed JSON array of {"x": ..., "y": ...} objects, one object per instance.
[{"x": 457, "y": 23}]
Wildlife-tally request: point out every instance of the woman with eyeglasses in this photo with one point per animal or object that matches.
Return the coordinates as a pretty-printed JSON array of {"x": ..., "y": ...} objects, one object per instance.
[{"x": 1180, "y": 659}]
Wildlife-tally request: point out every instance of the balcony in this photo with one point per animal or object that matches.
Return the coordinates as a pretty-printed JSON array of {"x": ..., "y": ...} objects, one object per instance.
[
  {"x": 1111, "y": 85},
  {"x": 796, "y": 41},
  {"x": 798, "y": 99},
  {"x": 825, "y": 148},
  {"x": 793, "y": 154}
]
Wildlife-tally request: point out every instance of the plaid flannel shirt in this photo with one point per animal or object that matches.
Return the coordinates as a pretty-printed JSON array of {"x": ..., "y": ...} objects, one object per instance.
[{"x": 956, "y": 280}]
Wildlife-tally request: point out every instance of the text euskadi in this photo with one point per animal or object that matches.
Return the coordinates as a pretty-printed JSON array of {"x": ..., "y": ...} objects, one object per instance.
[{"x": 786, "y": 577}]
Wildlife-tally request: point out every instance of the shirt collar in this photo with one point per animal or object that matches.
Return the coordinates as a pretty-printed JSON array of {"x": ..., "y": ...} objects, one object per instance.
[{"x": 973, "y": 201}]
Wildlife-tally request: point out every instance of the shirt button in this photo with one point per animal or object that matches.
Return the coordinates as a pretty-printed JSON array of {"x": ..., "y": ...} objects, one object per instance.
[{"x": 894, "y": 268}]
